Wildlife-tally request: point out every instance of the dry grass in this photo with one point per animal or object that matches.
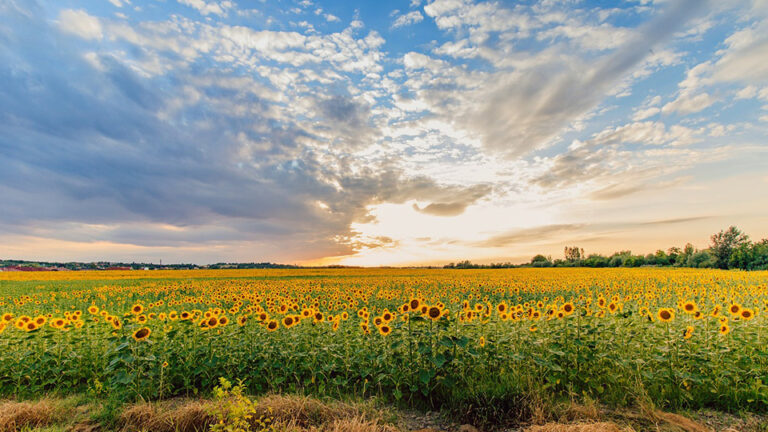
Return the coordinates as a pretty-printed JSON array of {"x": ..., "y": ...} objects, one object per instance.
[
  {"x": 304, "y": 411},
  {"x": 585, "y": 427},
  {"x": 588, "y": 410},
  {"x": 19, "y": 415},
  {"x": 288, "y": 413},
  {"x": 169, "y": 416},
  {"x": 681, "y": 422}
]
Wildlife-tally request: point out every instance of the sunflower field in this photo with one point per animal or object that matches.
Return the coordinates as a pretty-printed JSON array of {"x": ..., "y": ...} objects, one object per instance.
[{"x": 679, "y": 337}]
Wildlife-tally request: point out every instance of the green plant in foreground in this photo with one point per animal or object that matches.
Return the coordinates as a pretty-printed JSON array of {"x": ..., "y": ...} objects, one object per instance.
[{"x": 234, "y": 411}]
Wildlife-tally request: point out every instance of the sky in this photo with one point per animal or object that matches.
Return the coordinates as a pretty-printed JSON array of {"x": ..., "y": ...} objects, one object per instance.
[{"x": 400, "y": 132}]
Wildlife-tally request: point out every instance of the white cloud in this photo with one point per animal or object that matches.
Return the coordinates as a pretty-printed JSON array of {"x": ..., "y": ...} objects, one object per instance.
[
  {"x": 213, "y": 7},
  {"x": 647, "y": 133},
  {"x": 688, "y": 104},
  {"x": 80, "y": 23},
  {"x": 747, "y": 92},
  {"x": 744, "y": 58},
  {"x": 408, "y": 19},
  {"x": 645, "y": 113}
]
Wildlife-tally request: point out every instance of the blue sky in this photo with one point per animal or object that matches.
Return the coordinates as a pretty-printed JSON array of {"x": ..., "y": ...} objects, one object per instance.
[{"x": 378, "y": 132}]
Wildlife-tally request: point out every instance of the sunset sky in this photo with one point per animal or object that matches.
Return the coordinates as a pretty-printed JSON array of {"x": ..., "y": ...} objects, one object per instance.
[{"x": 378, "y": 132}]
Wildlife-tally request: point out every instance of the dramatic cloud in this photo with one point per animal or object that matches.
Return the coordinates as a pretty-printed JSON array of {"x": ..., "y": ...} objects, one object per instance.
[{"x": 199, "y": 130}]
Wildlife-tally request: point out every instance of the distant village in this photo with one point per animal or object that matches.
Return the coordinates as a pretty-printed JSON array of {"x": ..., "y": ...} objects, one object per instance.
[{"x": 38, "y": 266}]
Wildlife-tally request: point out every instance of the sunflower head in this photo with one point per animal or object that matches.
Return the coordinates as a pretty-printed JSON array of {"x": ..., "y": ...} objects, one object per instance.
[
  {"x": 141, "y": 334},
  {"x": 666, "y": 314},
  {"x": 272, "y": 325}
]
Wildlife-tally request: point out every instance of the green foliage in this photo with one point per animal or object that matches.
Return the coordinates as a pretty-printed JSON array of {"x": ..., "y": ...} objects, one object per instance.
[
  {"x": 724, "y": 243},
  {"x": 234, "y": 411}
]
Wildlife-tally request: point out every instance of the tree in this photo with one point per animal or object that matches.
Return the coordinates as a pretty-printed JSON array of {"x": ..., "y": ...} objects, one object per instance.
[
  {"x": 750, "y": 256},
  {"x": 701, "y": 259},
  {"x": 724, "y": 243},
  {"x": 573, "y": 254},
  {"x": 596, "y": 260},
  {"x": 541, "y": 261},
  {"x": 673, "y": 253}
]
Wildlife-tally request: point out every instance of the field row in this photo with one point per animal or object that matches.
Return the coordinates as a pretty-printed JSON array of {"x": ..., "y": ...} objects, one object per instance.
[{"x": 683, "y": 338}]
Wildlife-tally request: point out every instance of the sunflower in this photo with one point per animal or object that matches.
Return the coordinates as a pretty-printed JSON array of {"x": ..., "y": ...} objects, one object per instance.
[
  {"x": 211, "y": 322},
  {"x": 501, "y": 307},
  {"x": 141, "y": 334},
  {"x": 533, "y": 328},
  {"x": 568, "y": 308},
  {"x": 666, "y": 314},
  {"x": 116, "y": 324},
  {"x": 223, "y": 320},
  {"x": 434, "y": 312},
  {"x": 716, "y": 311},
  {"x": 7, "y": 316},
  {"x": 724, "y": 329},
  {"x": 688, "y": 332},
  {"x": 385, "y": 330},
  {"x": 137, "y": 309},
  {"x": 481, "y": 342},
  {"x": 184, "y": 316},
  {"x": 30, "y": 326},
  {"x": 747, "y": 314},
  {"x": 241, "y": 320},
  {"x": 288, "y": 321},
  {"x": 93, "y": 310},
  {"x": 58, "y": 322},
  {"x": 689, "y": 307},
  {"x": 414, "y": 304},
  {"x": 734, "y": 309},
  {"x": 272, "y": 325}
]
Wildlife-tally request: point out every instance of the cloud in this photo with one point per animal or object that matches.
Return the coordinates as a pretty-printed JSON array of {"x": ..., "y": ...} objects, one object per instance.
[
  {"x": 744, "y": 56},
  {"x": 676, "y": 220},
  {"x": 527, "y": 100},
  {"x": 410, "y": 18},
  {"x": 80, "y": 23},
  {"x": 460, "y": 200},
  {"x": 207, "y": 8},
  {"x": 528, "y": 235},
  {"x": 186, "y": 130},
  {"x": 207, "y": 157},
  {"x": 687, "y": 104},
  {"x": 620, "y": 190}
]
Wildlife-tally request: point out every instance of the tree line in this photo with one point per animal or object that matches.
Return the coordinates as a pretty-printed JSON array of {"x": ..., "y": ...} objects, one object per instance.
[{"x": 729, "y": 249}]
